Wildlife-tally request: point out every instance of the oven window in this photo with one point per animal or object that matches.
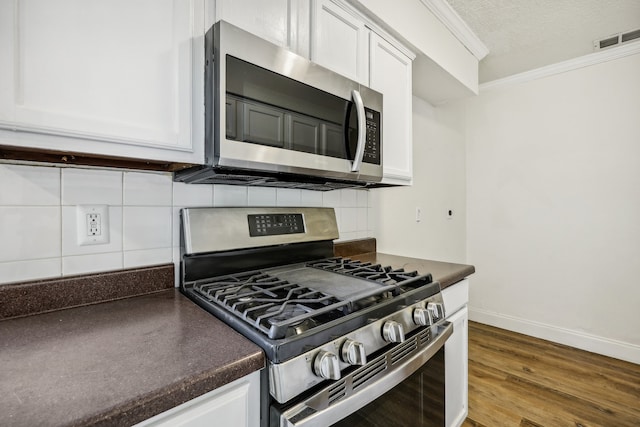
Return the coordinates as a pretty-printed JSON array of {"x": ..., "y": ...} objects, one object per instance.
[{"x": 416, "y": 402}]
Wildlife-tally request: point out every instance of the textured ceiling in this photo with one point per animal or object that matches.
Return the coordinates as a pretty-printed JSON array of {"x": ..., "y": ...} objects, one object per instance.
[{"x": 525, "y": 34}]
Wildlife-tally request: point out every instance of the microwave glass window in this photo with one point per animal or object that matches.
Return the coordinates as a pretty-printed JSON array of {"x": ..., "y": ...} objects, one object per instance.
[{"x": 266, "y": 108}]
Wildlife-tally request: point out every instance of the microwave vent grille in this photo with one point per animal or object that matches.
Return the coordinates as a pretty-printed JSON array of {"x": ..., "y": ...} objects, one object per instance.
[{"x": 204, "y": 175}]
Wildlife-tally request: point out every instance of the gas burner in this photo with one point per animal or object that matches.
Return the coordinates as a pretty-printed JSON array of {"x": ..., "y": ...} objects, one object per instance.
[
  {"x": 366, "y": 270},
  {"x": 294, "y": 327},
  {"x": 276, "y": 307}
]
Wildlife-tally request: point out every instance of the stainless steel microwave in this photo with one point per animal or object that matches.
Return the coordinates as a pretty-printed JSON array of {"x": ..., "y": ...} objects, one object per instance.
[{"x": 274, "y": 118}]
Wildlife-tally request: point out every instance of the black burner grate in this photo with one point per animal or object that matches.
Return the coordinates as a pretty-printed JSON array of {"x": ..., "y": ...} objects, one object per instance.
[
  {"x": 376, "y": 272},
  {"x": 281, "y": 309},
  {"x": 276, "y": 307}
]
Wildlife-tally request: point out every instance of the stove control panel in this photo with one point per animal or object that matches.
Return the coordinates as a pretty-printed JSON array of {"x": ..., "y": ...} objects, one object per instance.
[
  {"x": 275, "y": 224},
  {"x": 329, "y": 361}
]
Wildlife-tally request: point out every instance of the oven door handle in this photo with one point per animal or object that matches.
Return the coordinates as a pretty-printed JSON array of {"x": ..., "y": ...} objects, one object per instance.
[{"x": 314, "y": 413}]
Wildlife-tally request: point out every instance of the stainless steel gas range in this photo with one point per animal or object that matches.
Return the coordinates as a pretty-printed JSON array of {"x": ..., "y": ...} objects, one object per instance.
[{"x": 347, "y": 343}]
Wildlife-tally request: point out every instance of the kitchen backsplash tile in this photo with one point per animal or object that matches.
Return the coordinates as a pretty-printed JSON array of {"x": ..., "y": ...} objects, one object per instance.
[
  {"x": 229, "y": 195},
  {"x": 311, "y": 198},
  {"x": 147, "y": 189},
  {"x": 362, "y": 199},
  {"x": 38, "y": 216},
  {"x": 362, "y": 221},
  {"x": 91, "y": 187},
  {"x": 25, "y": 185},
  {"x": 175, "y": 226},
  {"x": 332, "y": 199},
  {"x": 81, "y": 264},
  {"x": 192, "y": 195},
  {"x": 147, "y": 257},
  {"x": 261, "y": 196},
  {"x": 348, "y": 235},
  {"x": 29, "y": 232},
  {"x": 349, "y": 198},
  {"x": 288, "y": 197},
  {"x": 20, "y": 271},
  {"x": 146, "y": 227},
  {"x": 349, "y": 220}
]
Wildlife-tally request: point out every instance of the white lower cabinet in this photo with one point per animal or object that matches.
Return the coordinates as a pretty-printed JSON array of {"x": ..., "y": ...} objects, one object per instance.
[
  {"x": 456, "y": 298},
  {"x": 236, "y": 404}
]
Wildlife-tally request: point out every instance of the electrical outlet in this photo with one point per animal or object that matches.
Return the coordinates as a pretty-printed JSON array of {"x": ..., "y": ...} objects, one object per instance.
[
  {"x": 93, "y": 224},
  {"x": 450, "y": 214}
]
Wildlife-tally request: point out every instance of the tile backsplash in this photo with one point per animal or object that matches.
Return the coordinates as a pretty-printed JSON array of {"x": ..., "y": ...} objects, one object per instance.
[{"x": 38, "y": 224}]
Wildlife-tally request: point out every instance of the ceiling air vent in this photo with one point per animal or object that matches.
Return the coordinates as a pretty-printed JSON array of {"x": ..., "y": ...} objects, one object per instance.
[
  {"x": 616, "y": 39},
  {"x": 631, "y": 35}
]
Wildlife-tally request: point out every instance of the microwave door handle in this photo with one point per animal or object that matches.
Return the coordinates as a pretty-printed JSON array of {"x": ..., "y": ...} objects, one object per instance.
[{"x": 362, "y": 131}]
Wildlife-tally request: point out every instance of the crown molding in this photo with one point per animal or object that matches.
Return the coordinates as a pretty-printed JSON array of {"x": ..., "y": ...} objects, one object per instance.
[
  {"x": 564, "y": 66},
  {"x": 450, "y": 18}
]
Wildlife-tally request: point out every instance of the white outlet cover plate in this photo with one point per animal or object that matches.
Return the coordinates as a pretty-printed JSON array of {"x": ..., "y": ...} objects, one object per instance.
[{"x": 82, "y": 213}]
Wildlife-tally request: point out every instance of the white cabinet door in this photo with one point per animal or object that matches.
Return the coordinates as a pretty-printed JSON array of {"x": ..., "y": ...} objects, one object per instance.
[
  {"x": 236, "y": 404},
  {"x": 339, "y": 41},
  {"x": 456, "y": 364},
  {"x": 282, "y": 22},
  {"x": 391, "y": 75},
  {"x": 110, "y": 78},
  {"x": 266, "y": 19}
]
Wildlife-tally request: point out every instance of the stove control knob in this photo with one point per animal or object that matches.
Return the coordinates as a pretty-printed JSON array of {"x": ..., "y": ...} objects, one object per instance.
[
  {"x": 436, "y": 309},
  {"x": 392, "y": 331},
  {"x": 353, "y": 353},
  {"x": 422, "y": 317},
  {"x": 326, "y": 365}
]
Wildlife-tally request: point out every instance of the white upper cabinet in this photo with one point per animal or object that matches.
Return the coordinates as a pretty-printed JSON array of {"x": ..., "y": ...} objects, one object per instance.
[
  {"x": 282, "y": 22},
  {"x": 339, "y": 41},
  {"x": 266, "y": 19},
  {"x": 107, "y": 78},
  {"x": 391, "y": 75}
]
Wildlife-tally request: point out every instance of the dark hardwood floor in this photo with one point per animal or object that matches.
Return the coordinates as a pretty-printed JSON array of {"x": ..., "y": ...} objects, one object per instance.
[{"x": 517, "y": 380}]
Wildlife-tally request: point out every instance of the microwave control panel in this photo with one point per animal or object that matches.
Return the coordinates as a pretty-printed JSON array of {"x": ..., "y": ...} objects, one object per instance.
[{"x": 372, "y": 146}]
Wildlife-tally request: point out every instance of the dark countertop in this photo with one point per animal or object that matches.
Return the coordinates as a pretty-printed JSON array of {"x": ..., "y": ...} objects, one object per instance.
[
  {"x": 365, "y": 250},
  {"x": 116, "y": 363}
]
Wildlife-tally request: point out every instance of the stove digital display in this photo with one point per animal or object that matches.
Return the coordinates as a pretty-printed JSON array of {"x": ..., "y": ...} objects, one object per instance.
[{"x": 275, "y": 224}]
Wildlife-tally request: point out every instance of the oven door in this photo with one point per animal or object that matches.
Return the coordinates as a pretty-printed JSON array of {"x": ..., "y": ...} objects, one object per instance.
[
  {"x": 402, "y": 387},
  {"x": 275, "y": 111}
]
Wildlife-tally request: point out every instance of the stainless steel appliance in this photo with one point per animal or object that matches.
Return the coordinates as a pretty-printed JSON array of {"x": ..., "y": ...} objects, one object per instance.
[
  {"x": 274, "y": 118},
  {"x": 347, "y": 343}
]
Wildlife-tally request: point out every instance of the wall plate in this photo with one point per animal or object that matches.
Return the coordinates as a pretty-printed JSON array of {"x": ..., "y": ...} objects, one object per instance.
[{"x": 93, "y": 224}]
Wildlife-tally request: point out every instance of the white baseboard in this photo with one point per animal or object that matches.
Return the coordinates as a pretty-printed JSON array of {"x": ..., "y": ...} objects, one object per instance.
[{"x": 596, "y": 344}]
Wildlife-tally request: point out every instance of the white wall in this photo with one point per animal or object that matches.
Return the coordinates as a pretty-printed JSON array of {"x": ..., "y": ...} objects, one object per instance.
[
  {"x": 553, "y": 186},
  {"x": 438, "y": 185},
  {"x": 38, "y": 217}
]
